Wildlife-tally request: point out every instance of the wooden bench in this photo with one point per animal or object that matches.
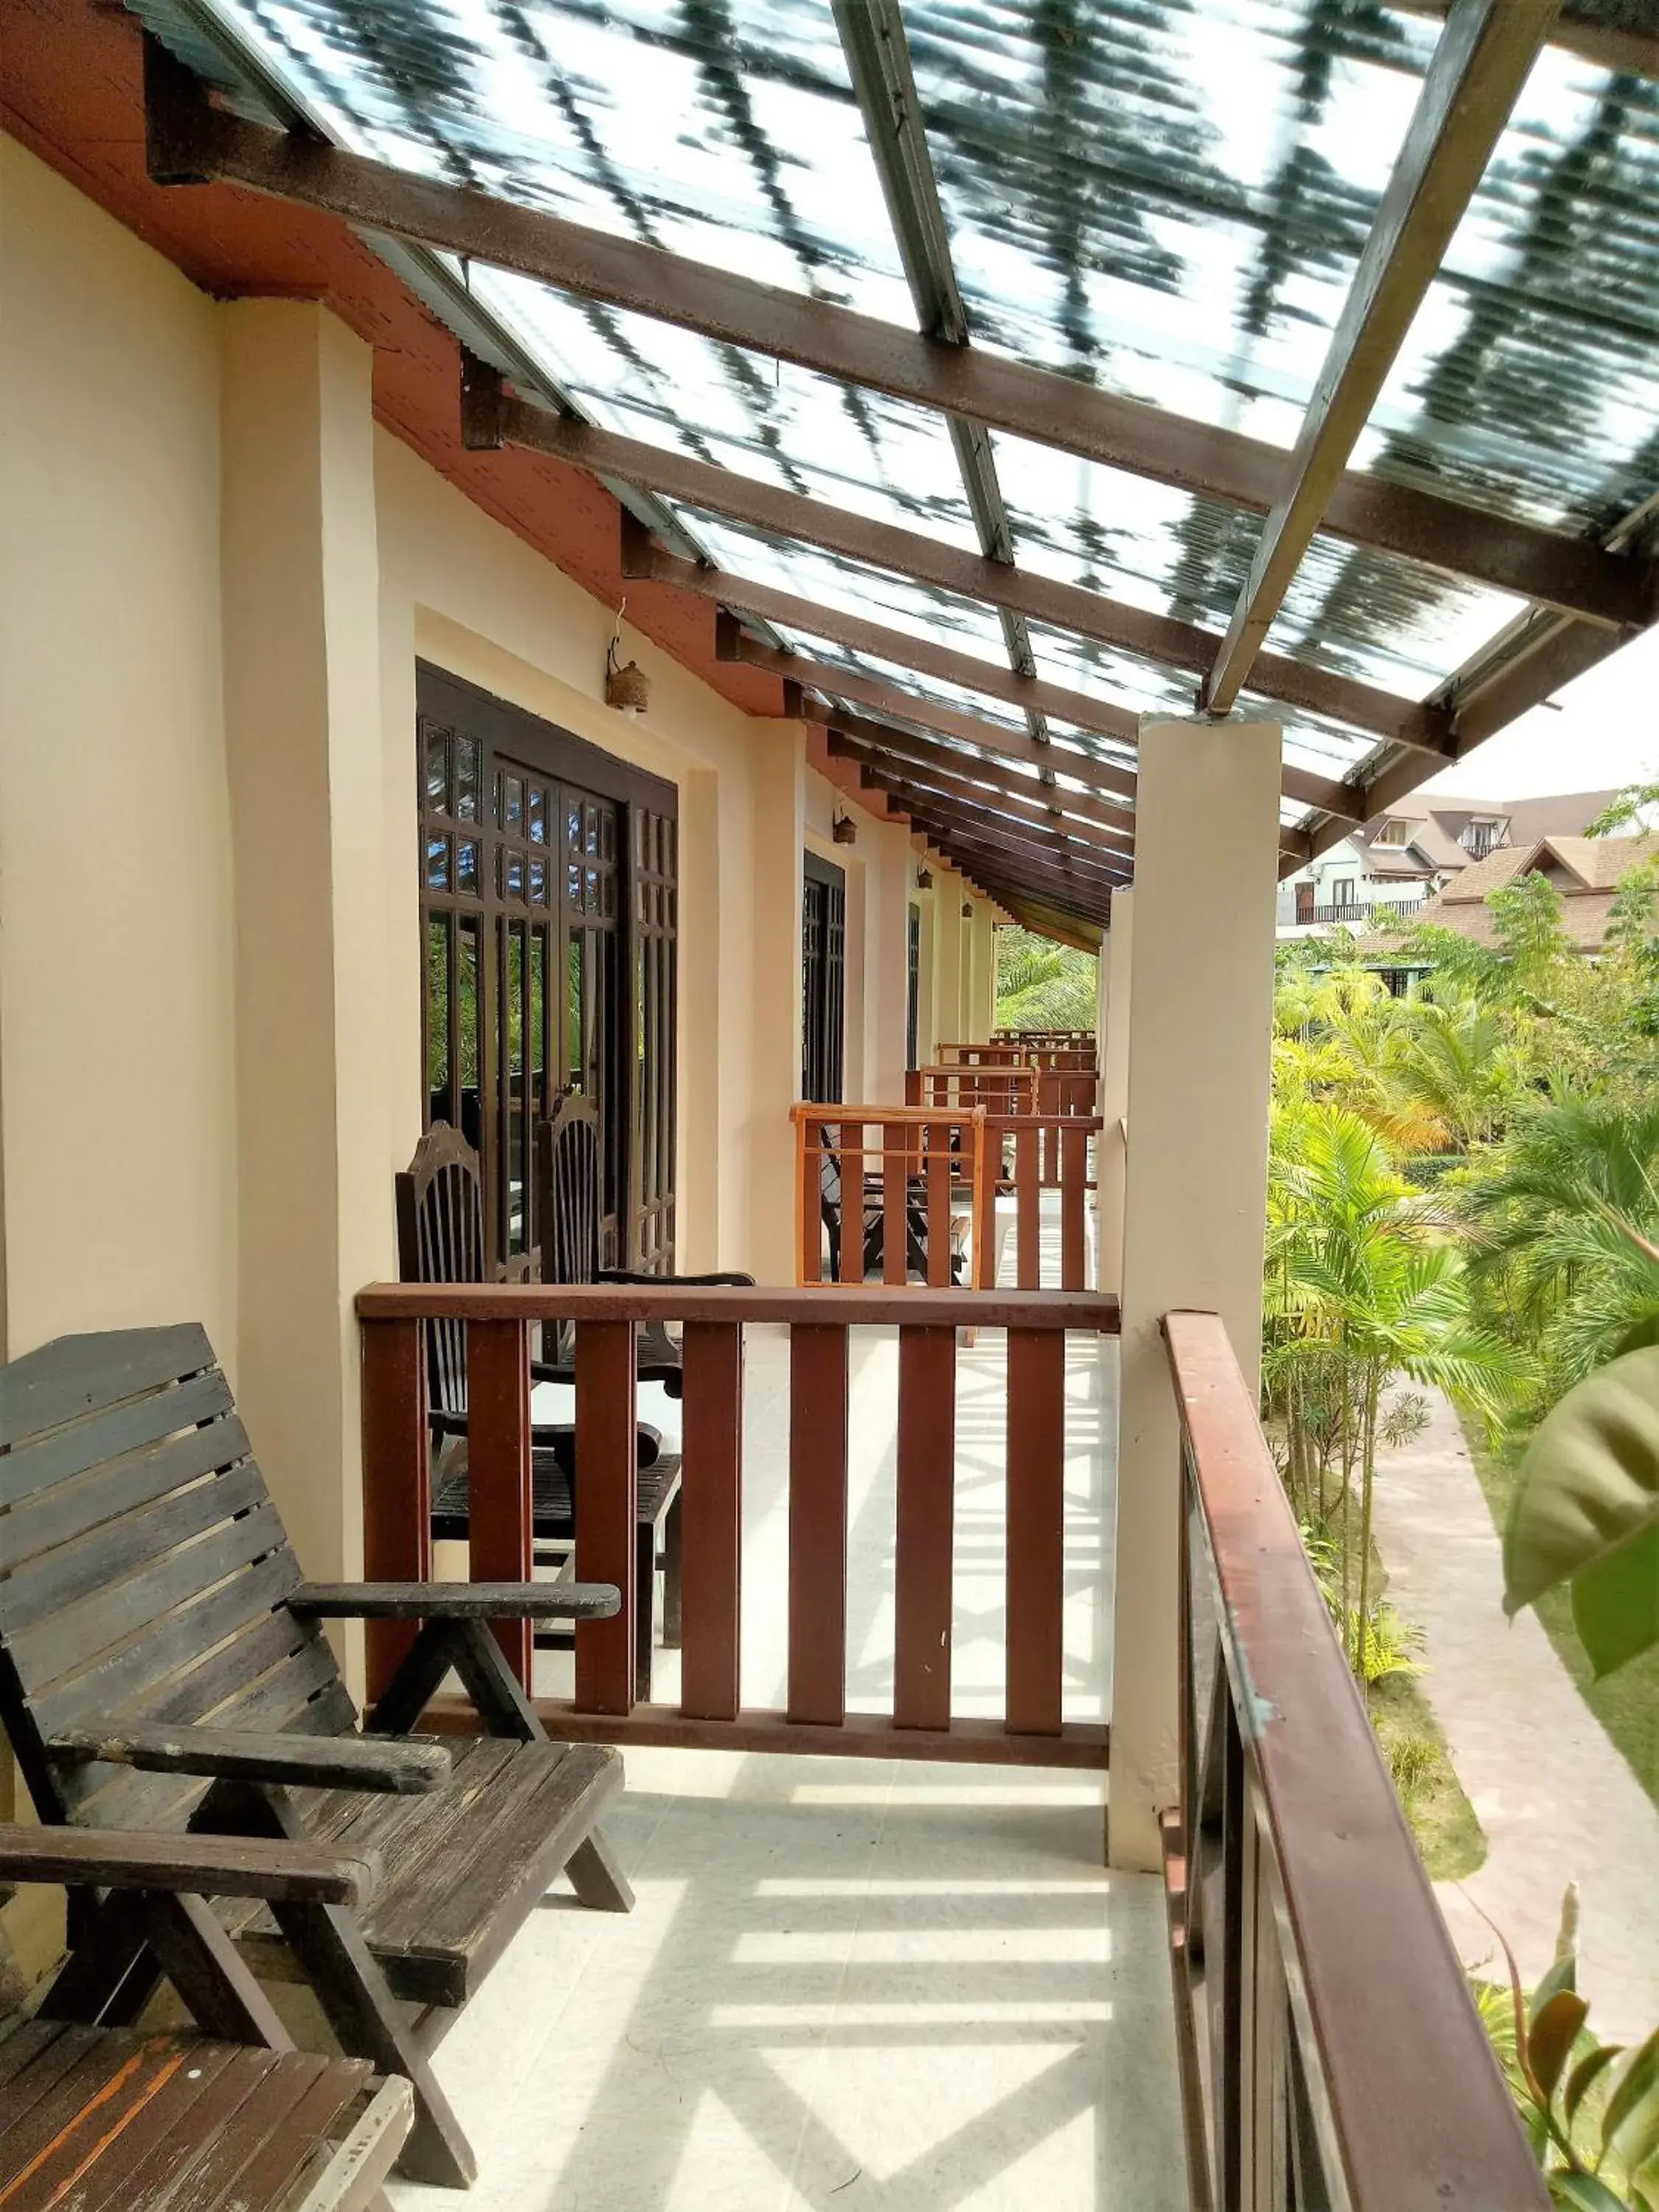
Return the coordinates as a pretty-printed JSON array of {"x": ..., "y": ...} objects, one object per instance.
[
  {"x": 162, "y": 1666},
  {"x": 94, "y": 2118},
  {"x": 99, "y": 2118}
]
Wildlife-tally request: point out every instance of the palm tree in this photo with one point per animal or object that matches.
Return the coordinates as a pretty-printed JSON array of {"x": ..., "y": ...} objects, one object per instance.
[
  {"x": 1363, "y": 1289},
  {"x": 1566, "y": 1222}
]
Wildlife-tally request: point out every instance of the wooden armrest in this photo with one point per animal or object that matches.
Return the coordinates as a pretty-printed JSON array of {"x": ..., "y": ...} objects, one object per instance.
[
  {"x": 327, "y": 1762},
  {"x": 192, "y": 1865},
  {"x": 456, "y": 1600}
]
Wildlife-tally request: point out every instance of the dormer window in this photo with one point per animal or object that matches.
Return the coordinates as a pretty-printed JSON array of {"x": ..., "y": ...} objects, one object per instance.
[
  {"x": 1393, "y": 832},
  {"x": 1480, "y": 838}
]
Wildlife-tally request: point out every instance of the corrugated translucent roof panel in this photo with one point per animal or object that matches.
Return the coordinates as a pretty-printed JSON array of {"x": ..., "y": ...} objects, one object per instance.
[{"x": 1165, "y": 198}]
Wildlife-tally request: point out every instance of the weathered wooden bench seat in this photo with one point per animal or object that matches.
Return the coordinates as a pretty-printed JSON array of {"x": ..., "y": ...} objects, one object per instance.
[
  {"x": 163, "y": 1668},
  {"x": 97, "y": 2117}
]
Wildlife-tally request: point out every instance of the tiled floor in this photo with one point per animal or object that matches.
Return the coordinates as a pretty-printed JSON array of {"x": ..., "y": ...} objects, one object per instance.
[{"x": 847, "y": 1983}]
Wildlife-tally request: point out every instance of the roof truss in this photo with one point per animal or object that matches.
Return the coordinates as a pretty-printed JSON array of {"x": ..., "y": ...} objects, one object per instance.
[{"x": 191, "y": 141}]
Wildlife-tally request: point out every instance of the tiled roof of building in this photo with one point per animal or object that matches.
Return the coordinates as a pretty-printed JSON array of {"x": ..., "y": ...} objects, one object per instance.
[{"x": 1586, "y": 871}]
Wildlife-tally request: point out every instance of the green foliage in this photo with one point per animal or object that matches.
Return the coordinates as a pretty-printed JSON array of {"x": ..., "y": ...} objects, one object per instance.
[
  {"x": 1586, "y": 1511},
  {"x": 1044, "y": 985},
  {"x": 1590, "y": 2109},
  {"x": 1464, "y": 1190}
]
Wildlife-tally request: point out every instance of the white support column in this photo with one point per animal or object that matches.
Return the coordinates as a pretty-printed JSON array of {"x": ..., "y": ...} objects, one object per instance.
[
  {"x": 307, "y": 796},
  {"x": 1201, "y": 975},
  {"x": 779, "y": 783},
  {"x": 1113, "y": 1044},
  {"x": 947, "y": 958}
]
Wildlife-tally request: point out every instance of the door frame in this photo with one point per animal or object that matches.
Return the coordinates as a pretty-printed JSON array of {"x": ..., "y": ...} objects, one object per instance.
[{"x": 502, "y": 728}]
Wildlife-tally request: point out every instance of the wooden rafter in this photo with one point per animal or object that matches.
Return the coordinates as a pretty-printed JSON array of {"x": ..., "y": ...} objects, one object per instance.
[
  {"x": 1483, "y": 59},
  {"x": 191, "y": 141}
]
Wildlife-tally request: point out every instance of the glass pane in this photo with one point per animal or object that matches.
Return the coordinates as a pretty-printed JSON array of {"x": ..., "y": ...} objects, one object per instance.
[
  {"x": 512, "y": 887},
  {"x": 590, "y": 891},
  {"x": 573, "y": 886},
  {"x": 437, "y": 1015},
  {"x": 572, "y": 825},
  {"x": 437, "y": 864},
  {"x": 466, "y": 866},
  {"x": 590, "y": 826},
  {"x": 513, "y": 994},
  {"x": 437, "y": 769},
  {"x": 511, "y": 802},
  {"x": 538, "y": 883},
  {"x": 537, "y": 815},
  {"x": 466, "y": 778},
  {"x": 607, "y": 894},
  {"x": 538, "y": 1007},
  {"x": 573, "y": 1060},
  {"x": 608, "y": 834},
  {"x": 469, "y": 1013}
]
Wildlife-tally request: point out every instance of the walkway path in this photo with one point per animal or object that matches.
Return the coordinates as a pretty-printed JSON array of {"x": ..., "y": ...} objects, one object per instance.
[{"x": 1556, "y": 1798}]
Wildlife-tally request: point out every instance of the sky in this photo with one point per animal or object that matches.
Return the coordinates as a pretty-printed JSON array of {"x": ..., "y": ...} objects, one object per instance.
[{"x": 1604, "y": 733}]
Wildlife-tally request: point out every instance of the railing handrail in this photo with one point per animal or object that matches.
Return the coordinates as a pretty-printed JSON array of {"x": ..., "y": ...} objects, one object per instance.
[
  {"x": 856, "y": 1305},
  {"x": 911, "y": 1117},
  {"x": 1419, "y": 2112}
]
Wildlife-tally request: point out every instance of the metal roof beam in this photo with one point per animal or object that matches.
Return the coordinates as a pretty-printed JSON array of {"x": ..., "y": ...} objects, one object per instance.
[
  {"x": 877, "y": 56},
  {"x": 1072, "y": 840},
  {"x": 1158, "y": 638},
  {"x": 190, "y": 140},
  {"x": 999, "y": 744},
  {"x": 1480, "y": 63},
  {"x": 969, "y": 850},
  {"x": 849, "y": 738},
  {"x": 1043, "y": 803},
  {"x": 643, "y": 560}
]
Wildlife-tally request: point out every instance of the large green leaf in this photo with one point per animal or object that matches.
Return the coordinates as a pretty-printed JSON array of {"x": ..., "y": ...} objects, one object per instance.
[
  {"x": 1615, "y": 1605},
  {"x": 1590, "y": 1490}
]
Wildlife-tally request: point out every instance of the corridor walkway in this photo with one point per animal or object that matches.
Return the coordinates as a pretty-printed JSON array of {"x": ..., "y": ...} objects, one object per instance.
[
  {"x": 1556, "y": 1798},
  {"x": 849, "y": 1983}
]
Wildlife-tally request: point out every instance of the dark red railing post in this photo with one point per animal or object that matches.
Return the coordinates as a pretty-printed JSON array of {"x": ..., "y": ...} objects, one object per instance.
[
  {"x": 397, "y": 1479},
  {"x": 607, "y": 1515},
  {"x": 1036, "y": 1531},
  {"x": 817, "y": 1522},
  {"x": 711, "y": 1523},
  {"x": 926, "y": 1503},
  {"x": 499, "y": 1511}
]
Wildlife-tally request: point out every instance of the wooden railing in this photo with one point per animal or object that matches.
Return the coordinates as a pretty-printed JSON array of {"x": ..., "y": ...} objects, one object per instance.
[
  {"x": 1035, "y": 1153},
  {"x": 1085, "y": 1037},
  {"x": 1330, "y": 2056},
  {"x": 1008, "y": 1089},
  {"x": 1028, "y": 1052},
  {"x": 501, "y": 1321},
  {"x": 917, "y": 1185}
]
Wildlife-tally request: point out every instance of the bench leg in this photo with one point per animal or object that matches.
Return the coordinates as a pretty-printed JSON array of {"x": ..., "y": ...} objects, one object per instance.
[
  {"x": 673, "y": 1555},
  {"x": 370, "y": 2024},
  {"x": 599, "y": 1881}
]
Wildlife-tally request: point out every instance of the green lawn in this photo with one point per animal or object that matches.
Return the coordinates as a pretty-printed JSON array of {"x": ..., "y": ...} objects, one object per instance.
[
  {"x": 1450, "y": 1836},
  {"x": 1626, "y": 1703}
]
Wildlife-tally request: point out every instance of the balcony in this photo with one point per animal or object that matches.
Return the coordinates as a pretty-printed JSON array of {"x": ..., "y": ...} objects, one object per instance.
[
  {"x": 905, "y": 1978},
  {"x": 1351, "y": 913}
]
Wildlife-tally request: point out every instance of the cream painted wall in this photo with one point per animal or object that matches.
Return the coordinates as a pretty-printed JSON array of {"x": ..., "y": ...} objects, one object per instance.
[
  {"x": 117, "y": 1032},
  {"x": 117, "y": 1017}
]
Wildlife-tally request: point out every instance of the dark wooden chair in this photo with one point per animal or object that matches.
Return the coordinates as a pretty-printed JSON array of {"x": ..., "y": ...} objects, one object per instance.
[
  {"x": 832, "y": 1210},
  {"x": 162, "y": 1666},
  {"x": 568, "y": 1202},
  {"x": 440, "y": 1239},
  {"x": 99, "y": 2118}
]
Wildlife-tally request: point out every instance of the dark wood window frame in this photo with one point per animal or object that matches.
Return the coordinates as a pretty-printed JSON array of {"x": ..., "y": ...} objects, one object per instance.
[
  {"x": 549, "y": 876},
  {"x": 823, "y": 978}
]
